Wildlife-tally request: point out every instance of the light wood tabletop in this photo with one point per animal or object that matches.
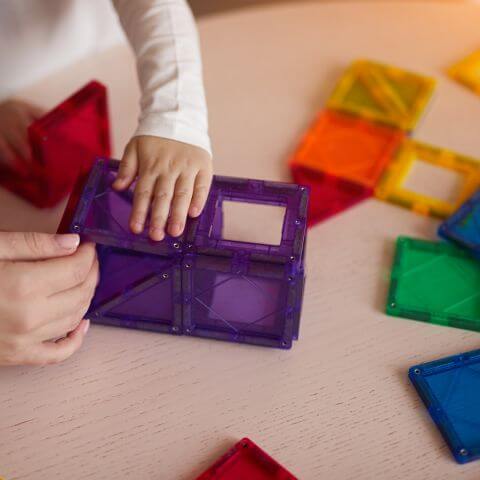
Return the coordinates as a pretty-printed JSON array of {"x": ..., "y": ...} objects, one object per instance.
[{"x": 138, "y": 405}]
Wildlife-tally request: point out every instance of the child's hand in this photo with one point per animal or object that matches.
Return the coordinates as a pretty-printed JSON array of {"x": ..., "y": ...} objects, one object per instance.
[
  {"x": 15, "y": 117},
  {"x": 174, "y": 176},
  {"x": 46, "y": 285}
]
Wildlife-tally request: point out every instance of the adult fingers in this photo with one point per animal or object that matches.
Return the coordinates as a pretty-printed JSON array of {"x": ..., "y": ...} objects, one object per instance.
[
  {"x": 74, "y": 301},
  {"x": 47, "y": 277},
  {"x": 7, "y": 154},
  {"x": 36, "y": 246},
  {"x": 55, "y": 352},
  {"x": 20, "y": 145}
]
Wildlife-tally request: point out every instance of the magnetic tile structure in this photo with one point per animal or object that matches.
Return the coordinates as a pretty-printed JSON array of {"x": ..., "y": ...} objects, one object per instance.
[
  {"x": 64, "y": 145},
  {"x": 391, "y": 185},
  {"x": 341, "y": 159},
  {"x": 382, "y": 93},
  {"x": 463, "y": 227},
  {"x": 246, "y": 461},
  {"x": 467, "y": 71},
  {"x": 450, "y": 390},
  {"x": 436, "y": 283},
  {"x": 199, "y": 284}
]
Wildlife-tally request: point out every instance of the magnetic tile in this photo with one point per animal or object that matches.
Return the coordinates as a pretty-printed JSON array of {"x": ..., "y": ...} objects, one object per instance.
[
  {"x": 103, "y": 215},
  {"x": 467, "y": 71},
  {"x": 245, "y": 302},
  {"x": 450, "y": 390},
  {"x": 137, "y": 290},
  {"x": 463, "y": 227},
  {"x": 347, "y": 147},
  {"x": 329, "y": 195},
  {"x": 391, "y": 186},
  {"x": 206, "y": 234},
  {"x": 246, "y": 461},
  {"x": 382, "y": 93},
  {"x": 436, "y": 283}
]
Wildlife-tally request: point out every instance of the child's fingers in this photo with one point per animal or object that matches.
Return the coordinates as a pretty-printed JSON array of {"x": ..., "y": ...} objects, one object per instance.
[
  {"x": 180, "y": 204},
  {"x": 200, "y": 192},
  {"x": 161, "y": 206},
  {"x": 141, "y": 201},
  {"x": 128, "y": 168}
]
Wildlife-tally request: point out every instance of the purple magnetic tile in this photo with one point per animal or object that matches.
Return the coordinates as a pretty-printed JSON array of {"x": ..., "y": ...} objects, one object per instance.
[
  {"x": 137, "y": 290},
  {"x": 103, "y": 214},
  {"x": 205, "y": 233},
  {"x": 251, "y": 302}
]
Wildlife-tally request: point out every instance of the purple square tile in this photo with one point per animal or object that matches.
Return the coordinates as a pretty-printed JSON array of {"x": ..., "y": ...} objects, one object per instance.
[
  {"x": 103, "y": 214},
  {"x": 137, "y": 290},
  {"x": 250, "y": 302},
  {"x": 204, "y": 236}
]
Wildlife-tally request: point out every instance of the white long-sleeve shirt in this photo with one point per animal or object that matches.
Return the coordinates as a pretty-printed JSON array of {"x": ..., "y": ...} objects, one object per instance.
[{"x": 39, "y": 37}]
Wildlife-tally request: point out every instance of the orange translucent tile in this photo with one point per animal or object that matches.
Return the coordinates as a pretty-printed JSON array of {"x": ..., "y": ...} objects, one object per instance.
[
  {"x": 391, "y": 186},
  {"x": 347, "y": 147}
]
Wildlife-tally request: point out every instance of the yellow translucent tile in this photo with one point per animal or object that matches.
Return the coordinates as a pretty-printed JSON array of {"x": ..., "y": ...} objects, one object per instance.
[
  {"x": 467, "y": 71},
  {"x": 382, "y": 93},
  {"x": 391, "y": 186}
]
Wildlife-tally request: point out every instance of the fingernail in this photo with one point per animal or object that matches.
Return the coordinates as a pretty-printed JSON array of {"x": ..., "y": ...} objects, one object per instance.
[
  {"x": 86, "y": 326},
  {"x": 157, "y": 233},
  {"x": 137, "y": 227},
  {"x": 68, "y": 242},
  {"x": 175, "y": 229},
  {"x": 194, "y": 211}
]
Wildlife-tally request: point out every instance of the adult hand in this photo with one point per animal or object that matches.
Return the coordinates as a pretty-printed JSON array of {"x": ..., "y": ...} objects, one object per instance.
[
  {"x": 15, "y": 117},
  {"x": 46, "y": 285}
]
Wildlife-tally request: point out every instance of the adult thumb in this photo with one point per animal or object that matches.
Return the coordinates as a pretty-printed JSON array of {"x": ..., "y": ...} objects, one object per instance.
[{"x": 36, "y": 246}]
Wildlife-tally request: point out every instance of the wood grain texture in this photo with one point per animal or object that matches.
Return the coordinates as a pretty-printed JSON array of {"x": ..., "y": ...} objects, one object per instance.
[{"x": 136, "y": 405}]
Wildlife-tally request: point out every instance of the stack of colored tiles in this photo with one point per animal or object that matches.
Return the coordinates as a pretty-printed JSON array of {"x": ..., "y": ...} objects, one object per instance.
[{"x": 358, "y": 147}]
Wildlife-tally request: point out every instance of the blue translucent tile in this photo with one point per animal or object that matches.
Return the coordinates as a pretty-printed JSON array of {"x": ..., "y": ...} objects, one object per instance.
[
  {"x": 450, "y": 389},
  {"x": 463, "y": 227}
]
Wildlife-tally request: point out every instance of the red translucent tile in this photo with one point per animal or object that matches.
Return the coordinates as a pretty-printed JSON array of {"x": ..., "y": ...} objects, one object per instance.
[
  {"x": 64, "y": 145},
  {"x": 246, "y": 461},
  {"x": 329, "y": 194}
]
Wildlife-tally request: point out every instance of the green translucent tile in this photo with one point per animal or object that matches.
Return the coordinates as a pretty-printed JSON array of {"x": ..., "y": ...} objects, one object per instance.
[{"x": 435, "y": 282}]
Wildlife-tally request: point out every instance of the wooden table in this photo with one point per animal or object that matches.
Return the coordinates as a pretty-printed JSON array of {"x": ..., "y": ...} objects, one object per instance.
[{"x": 136, "y": 405}]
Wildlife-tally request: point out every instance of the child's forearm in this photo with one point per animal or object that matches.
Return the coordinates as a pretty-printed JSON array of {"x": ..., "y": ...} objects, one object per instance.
[{"x": 164, "y": 38}]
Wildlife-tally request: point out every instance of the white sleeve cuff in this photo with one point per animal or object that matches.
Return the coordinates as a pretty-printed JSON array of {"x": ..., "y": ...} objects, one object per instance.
[{"x": 155, "y": 124}]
